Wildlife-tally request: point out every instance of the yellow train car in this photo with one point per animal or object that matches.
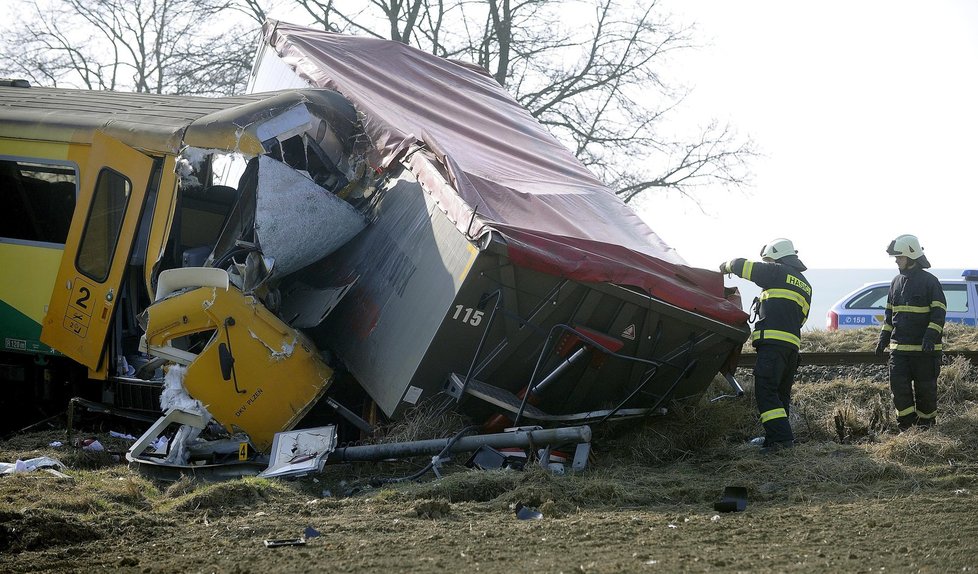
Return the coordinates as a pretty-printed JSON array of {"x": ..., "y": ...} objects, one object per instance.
[{"x": 106, "y": 194}]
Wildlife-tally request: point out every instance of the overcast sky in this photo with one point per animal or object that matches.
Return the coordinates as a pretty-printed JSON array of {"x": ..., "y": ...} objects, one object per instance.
[{"x": 867, "y": 113}]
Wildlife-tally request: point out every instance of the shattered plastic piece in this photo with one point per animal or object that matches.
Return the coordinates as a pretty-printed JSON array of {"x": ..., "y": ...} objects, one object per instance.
[
  {"x": 733, "y": 499},
  {"x": 486, "y": 458},
  {"x": 310, "y": 532},
  {"x": 92, "y": 445},
  {"x": 56, "y": 444},
  {"x": 556, "y": 468},
  {"x": 175, "y": 396},
  {"x": 527, "y": 513},
  {"x": 121, "y": 435},
  {"x": 180, "y": 453},
  {"x": 29, "y": 465},
  {"x": 285, "y": 542},
  {"x": 300, "y": 452},
  {"x": 160, "y": 444}
]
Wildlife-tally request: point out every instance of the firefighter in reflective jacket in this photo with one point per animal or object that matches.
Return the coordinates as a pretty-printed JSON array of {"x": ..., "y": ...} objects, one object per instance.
[
  {"x": 781, "y": 311},
  {"x": 912, "y": 330}
]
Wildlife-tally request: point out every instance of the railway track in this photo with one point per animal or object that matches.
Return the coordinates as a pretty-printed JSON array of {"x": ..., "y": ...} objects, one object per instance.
[{"x": 847, "y": 358}]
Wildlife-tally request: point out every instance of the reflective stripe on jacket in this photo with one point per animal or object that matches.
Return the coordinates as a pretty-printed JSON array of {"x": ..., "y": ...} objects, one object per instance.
[
  {"x": 915, "y": 304},
  {"x": 784, "y": 302}
]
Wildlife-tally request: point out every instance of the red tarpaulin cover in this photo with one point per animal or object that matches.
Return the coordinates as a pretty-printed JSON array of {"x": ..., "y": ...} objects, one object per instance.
[{"x": 555, "y": 215}]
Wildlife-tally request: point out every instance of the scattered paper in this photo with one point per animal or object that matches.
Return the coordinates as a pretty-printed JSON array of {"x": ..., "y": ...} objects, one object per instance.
[
  {"x": 92, "y": 445},
  {"x": 29, "y": 465}
]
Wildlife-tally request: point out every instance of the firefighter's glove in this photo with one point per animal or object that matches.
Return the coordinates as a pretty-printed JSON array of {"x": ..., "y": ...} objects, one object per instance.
[
  {"x": 930, "y": 339},
  {"x": 883, "y": 343},
  {"x": 724, "y": 268}
]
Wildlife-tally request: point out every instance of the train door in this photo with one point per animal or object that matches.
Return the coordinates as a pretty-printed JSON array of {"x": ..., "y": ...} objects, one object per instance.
[{"x": 113, "y": 189}]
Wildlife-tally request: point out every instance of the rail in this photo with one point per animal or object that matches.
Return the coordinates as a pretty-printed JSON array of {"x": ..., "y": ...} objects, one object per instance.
[{"x": 846, "y": 358}]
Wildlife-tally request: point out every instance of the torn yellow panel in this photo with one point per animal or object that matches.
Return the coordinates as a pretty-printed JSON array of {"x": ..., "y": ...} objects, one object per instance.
[{"x": 277, "y": 375}]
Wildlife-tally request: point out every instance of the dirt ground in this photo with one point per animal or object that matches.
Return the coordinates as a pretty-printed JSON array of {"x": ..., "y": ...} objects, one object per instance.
[
  {"x": 863, "y": 500},
  {"x": 930, "y": 528}
]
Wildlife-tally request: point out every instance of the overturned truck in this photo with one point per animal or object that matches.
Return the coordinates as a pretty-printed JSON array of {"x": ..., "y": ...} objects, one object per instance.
[{"x": 368, "y": 209}]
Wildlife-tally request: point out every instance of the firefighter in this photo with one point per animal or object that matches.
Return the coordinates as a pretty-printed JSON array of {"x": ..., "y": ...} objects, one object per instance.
[
  {"x": 912, "y": 330},
  {"x": 780, "y": 312}
]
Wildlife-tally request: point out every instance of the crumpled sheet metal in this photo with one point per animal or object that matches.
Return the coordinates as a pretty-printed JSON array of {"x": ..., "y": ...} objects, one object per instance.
[{"x": 297, "y": 221}]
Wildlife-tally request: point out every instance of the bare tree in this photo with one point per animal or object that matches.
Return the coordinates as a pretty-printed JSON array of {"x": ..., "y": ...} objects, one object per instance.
[
  {"x": 597, "y": 87},
  {"x": 158, "y": 46},
  {"x": 593, "y": 80}
]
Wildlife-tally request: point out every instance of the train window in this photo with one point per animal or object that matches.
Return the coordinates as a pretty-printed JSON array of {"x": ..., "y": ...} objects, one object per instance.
[
  {"x": 38, "y": 200},
  {"x": 104, "y": 223}
]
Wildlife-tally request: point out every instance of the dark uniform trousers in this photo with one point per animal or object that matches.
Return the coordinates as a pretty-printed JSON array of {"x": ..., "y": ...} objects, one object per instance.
[
  {"x": 913, "y": 381},
  {"x": 774, "y": 373}
]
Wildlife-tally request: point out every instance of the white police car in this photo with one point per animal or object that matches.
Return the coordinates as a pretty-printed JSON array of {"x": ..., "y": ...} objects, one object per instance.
[{"x": 865, "y": 306}]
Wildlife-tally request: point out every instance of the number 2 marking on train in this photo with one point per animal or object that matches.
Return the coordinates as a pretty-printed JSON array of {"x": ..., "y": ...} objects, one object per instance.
[{"x": 85, "y": 296}]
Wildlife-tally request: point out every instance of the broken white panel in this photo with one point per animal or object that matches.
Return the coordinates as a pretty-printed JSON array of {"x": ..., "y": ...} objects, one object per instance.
[
  {"x": 227, "y": 168},
  {"x": 297, "y": 222},
  {"x": 271, "y": 73},
  {"x": 176, "y": 397},
  {"x": 257, "y": 269},
  {"x": 173, "y": 280},
  {"x": 300, "y": 452},
  {"x": 413, "y": 394},
  {"x": 292, "y": 122},
  {"x": 305, "y": 307}
]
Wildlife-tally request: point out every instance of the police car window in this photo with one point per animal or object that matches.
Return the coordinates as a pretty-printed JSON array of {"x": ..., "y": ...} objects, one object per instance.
[
  {"x": 874, "y": 298},
  {"x": 957, "y": 298}
]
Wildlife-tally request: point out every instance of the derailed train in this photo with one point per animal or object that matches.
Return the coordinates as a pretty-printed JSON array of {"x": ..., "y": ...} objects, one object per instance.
[{"x": 383, "y": 212}]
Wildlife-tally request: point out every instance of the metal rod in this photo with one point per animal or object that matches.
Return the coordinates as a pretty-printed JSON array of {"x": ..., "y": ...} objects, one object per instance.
[
  {"x": 651, "y": 373},
  {"x": 350, "y": 416},
  {"x": 520, "y": 438},
  {"x": 737, "y": 389},
  {"x": 654, "y": 363},
  {"x": 682, "y": 375},
  {"x": 539, "y": 387},
  {"x": 498, "y": 294}
]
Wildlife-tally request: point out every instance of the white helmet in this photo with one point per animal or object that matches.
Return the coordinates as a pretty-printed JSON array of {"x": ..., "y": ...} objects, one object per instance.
[
  {"x": 907, "y": 246},
  {"x": 778, "y": 248}
]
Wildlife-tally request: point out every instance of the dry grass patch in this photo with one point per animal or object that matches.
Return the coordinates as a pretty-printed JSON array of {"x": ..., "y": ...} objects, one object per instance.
[
  {"x": 230, "y": 496},
  {"x": 432, "y": 418},
  {"x": 957, "y": 337}
]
